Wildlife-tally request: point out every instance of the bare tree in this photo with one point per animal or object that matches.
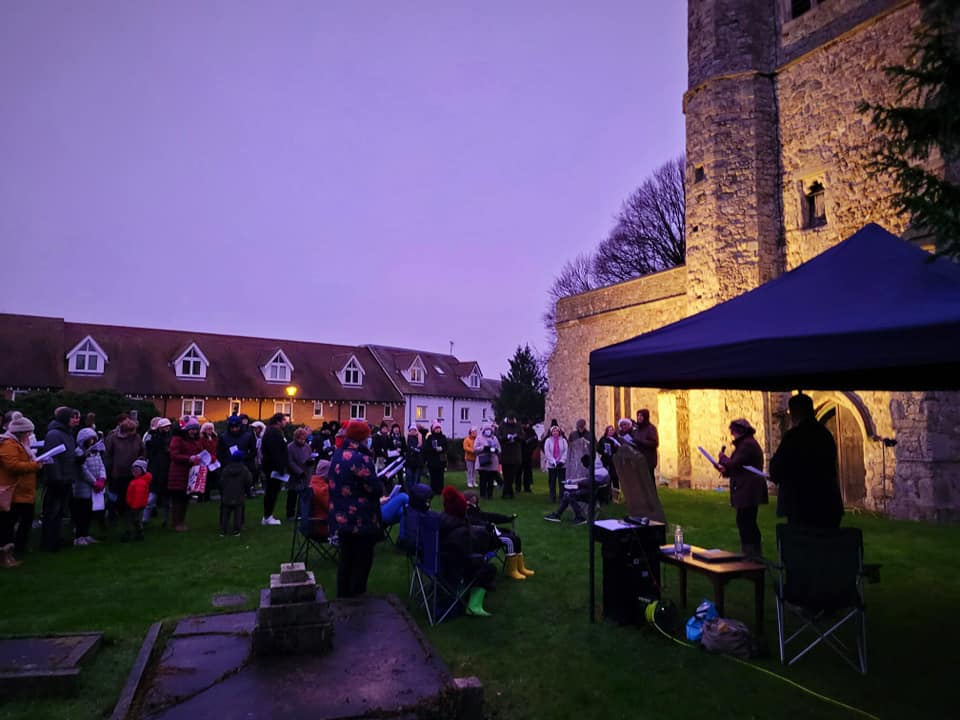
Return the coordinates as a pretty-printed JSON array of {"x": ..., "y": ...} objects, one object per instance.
[
  {"x": 649, "y": 233},
  {"x": 576, "y": 276}
]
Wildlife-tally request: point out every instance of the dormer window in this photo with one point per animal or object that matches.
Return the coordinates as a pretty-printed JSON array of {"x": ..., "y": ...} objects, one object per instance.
[
  {"x": 416, "y": 372},
  {"x": 192, "y": 364},
  {"x": 351, "y": 373},
  {"x": 279, "y": 369},
  {"x": 87, "y": 358},
  {"x": 474, "y": 379}
]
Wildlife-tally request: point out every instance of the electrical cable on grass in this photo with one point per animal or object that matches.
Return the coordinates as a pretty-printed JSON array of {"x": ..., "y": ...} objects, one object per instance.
[{"x": 817, "y": 695}]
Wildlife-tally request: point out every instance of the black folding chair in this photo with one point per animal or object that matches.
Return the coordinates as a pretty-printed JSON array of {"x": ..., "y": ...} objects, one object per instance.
[
  {"x": 820, "y": 577},
  {"x": 386, "y": 476},
  {"x": 311, "y": 534}
]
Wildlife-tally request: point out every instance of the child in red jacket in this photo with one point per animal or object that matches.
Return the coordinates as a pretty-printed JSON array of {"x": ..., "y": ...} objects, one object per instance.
[{"x": 138, "y": 492}]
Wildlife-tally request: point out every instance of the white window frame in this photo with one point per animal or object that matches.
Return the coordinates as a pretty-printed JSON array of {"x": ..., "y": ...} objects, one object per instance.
[
  {"x": 279, "y": 369},
  {"x": 387, "y": 410},
  {"x": 465, "y": 414},
  {"x": 439, "y": 412},
  {"x": 283, "y": 406},
  {"x": 358, "y": 411},
  {"x": 86, "y": 349},
  {"x": 351, "y": 374},
  {"x": 14, "y": 394},
  {"x": 318, "y": 408},
  {"x": 475, "y": 379},
  {"x": 198, "y": 361},
  {"x": 421, "y": 412},
  {"x": 417, "y": 372},
  {"x": 231, "y": 403},
  {"x": 194, "y": 404}
]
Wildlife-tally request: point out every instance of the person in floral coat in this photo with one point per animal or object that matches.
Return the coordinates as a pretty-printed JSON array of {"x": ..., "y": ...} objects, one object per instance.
[{"x": 355, "y": 492}]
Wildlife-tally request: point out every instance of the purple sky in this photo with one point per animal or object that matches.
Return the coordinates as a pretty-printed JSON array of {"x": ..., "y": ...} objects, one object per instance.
[{"x": 351, "y": 172}]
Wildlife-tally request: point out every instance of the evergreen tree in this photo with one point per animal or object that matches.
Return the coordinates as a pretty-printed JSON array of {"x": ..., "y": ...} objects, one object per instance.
[
  {"x": 523, "y": 389},
  {"x": 926, "y": 121}
]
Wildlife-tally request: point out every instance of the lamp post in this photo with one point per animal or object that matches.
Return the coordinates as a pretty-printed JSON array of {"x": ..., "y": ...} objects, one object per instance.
[{"x": 291, "y": 391}]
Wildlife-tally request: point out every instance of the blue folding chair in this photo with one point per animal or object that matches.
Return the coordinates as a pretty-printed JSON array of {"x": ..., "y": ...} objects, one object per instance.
[{"x": 440, "y": 594}]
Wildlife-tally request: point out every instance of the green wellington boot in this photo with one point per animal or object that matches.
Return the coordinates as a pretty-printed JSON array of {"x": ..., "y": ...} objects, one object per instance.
[{"x": 475, "y": 604}]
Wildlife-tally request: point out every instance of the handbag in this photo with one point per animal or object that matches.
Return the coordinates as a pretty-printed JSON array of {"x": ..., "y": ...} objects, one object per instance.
[{"x": 6, "y": 496}]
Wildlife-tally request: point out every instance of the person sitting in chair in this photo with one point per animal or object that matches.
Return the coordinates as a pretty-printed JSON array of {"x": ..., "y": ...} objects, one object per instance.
[
  {"x": 576, "y": 493},
  {"x": 462, "y": 548},
  {"x": 489, "y": 521}
]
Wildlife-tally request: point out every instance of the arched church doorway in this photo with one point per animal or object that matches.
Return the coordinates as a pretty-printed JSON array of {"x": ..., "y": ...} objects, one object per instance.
[{"x": 848, "y": 435}]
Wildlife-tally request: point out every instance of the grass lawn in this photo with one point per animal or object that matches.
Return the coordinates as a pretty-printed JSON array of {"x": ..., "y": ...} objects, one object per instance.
[{"x": 539, "y": 656}]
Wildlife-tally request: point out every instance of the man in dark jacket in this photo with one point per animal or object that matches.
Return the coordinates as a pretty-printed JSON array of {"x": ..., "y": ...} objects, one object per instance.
[
  {"x": 530, "y": 444},
  {"x": 274, "y": 453},
  {"x": 805, "y": 470},
  {"x": 511, "y": 454},
  {"x": 59, "y": 474},
  {"x": 123, "y": 446},
  {"x": 435, "y": 456}
]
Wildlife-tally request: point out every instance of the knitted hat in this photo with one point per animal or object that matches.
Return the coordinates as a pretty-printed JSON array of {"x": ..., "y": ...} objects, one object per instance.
[
  {"x": 436, "y": 426},
  {"x": 454, "y": 504},
  {"x": 163, "y": 423},
  {"x": 412, "y": 428},
  {"x": 86, "y": 434},
  {"x": 20, "y": 425},
  {"x": 233, "y": 421},
  {"x": 207, "y": 427},
  {"x": 358, "y": 431},
  {"x": 191, "y": 424},
  {"x": 323, "y": 468},
  {"x": 140, "y": 463},
  {"x": 154, "y": 423}
]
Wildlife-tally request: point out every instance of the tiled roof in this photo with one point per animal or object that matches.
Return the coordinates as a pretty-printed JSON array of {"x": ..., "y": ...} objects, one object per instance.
[
  {"x": 448, "y": 383},
  {"x": 32, "y": 351},
  {"x": 141, "y": 362}
]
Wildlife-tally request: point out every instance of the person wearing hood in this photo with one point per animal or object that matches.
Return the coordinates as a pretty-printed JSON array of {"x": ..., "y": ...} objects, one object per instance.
[
  {"x": 747, "y": 489},
  {"x": 487, "y": 449},
  {"x": 18, "y": 480},
  {"x": 355, "y": 492},
  {"x": 435, "y": 456},
  {"x": 122, "y": 447},
  {"x": 59, "y": 474},
  {"x": 511, "y": 455},
  {"x": 91, "y": 478},
  {"x": 185, "y": 451}
]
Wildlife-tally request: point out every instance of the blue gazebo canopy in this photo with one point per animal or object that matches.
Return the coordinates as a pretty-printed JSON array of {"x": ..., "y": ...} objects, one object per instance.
[{"x": 872, "y": 313}]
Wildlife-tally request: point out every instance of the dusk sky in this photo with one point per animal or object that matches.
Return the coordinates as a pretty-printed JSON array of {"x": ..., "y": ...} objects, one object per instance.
[{"x": 399, "y": 173}]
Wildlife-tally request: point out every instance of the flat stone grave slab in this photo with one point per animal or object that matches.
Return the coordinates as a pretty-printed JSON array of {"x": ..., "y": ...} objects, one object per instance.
[
  {"x": 224, "y": 624},
  {"x": 227, "y": 601},
  {"x": 48, "y": 664},
  {"x": 380, "y": 666}
]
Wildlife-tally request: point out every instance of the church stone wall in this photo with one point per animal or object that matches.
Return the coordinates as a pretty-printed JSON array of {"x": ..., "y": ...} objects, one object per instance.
[{"x": 825, "y": 139}]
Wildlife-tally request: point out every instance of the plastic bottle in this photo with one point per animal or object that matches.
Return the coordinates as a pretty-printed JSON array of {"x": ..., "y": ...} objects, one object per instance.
[{"x": 678, "y": 542}]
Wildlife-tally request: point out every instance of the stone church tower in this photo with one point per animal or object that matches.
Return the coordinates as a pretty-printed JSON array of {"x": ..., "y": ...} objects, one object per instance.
[{"x": 776, "y": 158}]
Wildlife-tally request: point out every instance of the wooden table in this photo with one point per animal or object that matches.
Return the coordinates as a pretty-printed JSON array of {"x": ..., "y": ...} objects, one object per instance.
[{"x": 719, "y": 574}]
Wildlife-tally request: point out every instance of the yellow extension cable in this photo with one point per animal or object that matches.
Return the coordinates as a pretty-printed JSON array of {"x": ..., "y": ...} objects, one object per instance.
[{"x": 851, "y": 708}]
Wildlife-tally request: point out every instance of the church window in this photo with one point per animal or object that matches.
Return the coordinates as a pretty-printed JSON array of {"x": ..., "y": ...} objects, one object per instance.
[{"x": 814, "y": 207}]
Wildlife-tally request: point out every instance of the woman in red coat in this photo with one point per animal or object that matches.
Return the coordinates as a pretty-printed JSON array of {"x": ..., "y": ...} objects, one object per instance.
[
  {"x": 185, "y": 451},
  {"x": 747, "y": 489}
]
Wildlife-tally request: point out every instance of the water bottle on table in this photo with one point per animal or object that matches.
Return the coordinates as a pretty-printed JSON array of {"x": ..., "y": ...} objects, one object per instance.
[{"x": 678, "y": 542}]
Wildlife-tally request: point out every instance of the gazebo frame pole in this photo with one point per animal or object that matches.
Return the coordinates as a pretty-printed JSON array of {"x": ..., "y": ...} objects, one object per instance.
[{"x": 591, "y": 515}]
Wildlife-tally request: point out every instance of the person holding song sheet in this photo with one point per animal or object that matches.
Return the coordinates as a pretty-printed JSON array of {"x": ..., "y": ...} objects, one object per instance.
[{"x": 748, "y": 490}]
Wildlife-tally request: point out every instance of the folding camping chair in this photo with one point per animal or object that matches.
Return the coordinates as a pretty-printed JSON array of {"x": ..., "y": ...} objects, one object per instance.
[
  {"x": 438, "y": 593},
  {"x": 408, "y": 541},
  {"x": 820, "y": 576},
  {"x": 387, "y": 475},
  {"x": 312, "y": 531}
]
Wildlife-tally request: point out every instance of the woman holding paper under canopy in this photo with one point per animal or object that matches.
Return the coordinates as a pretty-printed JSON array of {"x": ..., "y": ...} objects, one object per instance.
[{"x": 748, "y": 489}]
